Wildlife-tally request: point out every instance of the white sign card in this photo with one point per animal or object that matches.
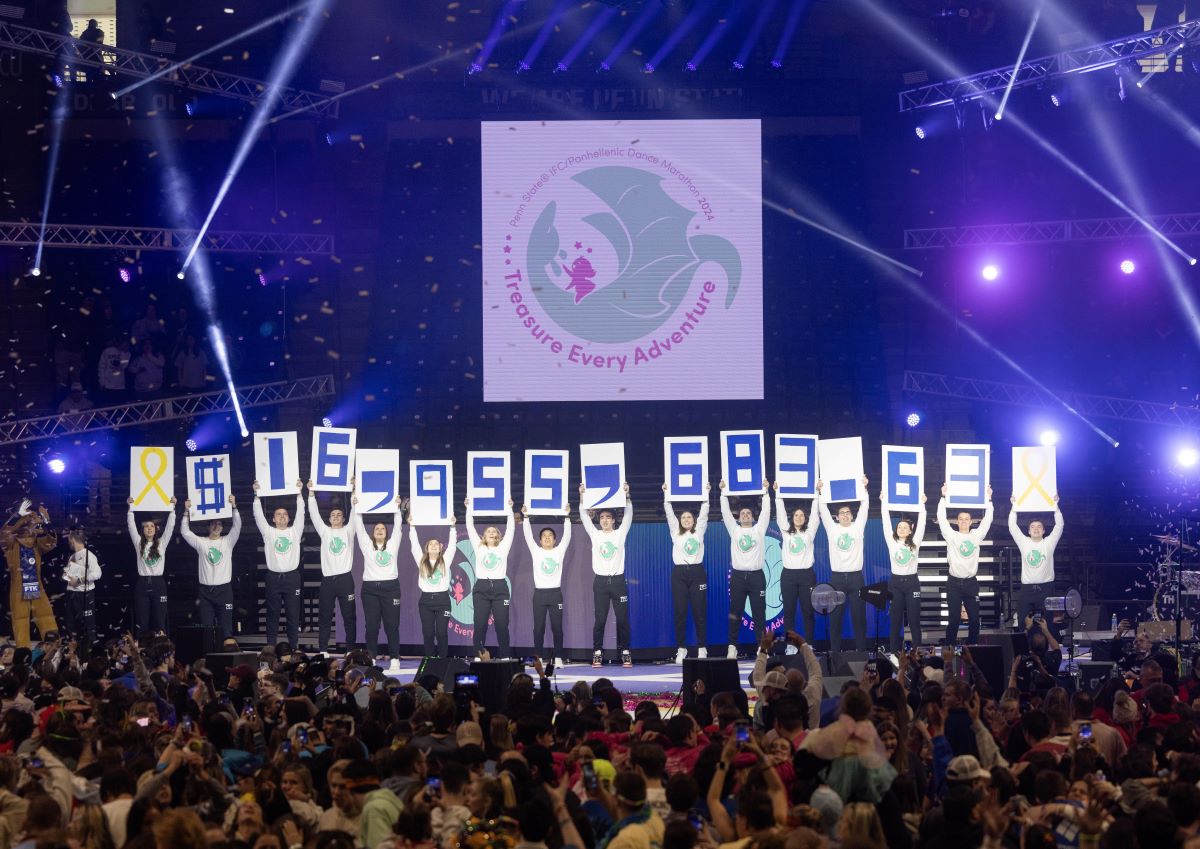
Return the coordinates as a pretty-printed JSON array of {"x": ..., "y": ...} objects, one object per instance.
[
  {"x": 546, "y": 482},
  {"x": 430, "y": 491},
  {"x": 1035, "y": 479},
  {"x": 151, "y": 477},
  {"x": 685, "y": 459},
  {"x": 209, "y": 487},
  {"x": 489, "y": 482},
  {"x": 376, "y": 479},
  {"x": 603, "y": 470},
  {"x": 276, "y": 463},
  {"x": 332, "y": 458},
  {"x": 796, "y": 471},
  {"x": 743, "y": 462},
  {"x": 968, "y": 474},
  {"x": 841, "y": 462},
  {"x": 903, "y": 475}
]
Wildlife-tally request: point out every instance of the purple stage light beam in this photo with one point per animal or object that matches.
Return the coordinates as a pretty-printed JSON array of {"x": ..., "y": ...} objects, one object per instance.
[
  {"x": 539, "y": 42},
  {"x": 585, "y": 38},
  {"x": 755, "y": 32},
  {"x": 1037, "y": 13},
  {"x": 639, "y": 23},
  {"x": 685, "y": 26},
  {"x": 493, "y": 37},
  {"x": 722, "y": 26},
  {"x": 789, "y": 31}
]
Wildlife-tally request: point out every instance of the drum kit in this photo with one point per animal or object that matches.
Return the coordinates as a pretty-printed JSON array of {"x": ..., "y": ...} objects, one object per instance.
[{"x": 1164, "y": 578}]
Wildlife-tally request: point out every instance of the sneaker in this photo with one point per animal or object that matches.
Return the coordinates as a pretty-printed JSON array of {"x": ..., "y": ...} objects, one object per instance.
[
  {"x": 702, "y": 652},
  {"x": 680, "y": 654},
  {"x": 597, "y": 658},
  {"x": 559, "y": 663},
  {"x": 791, "y": 649},
  {"x": 731, "y": 654},
  {"x": 626, "y": 659},
  {"x": 382, "y": 660},
  {"x": 394, "y": 666}
]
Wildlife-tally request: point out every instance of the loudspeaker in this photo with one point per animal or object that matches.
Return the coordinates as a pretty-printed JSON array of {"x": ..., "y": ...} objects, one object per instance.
[
  {"x": 219, "y": 663},
  {"x": 1093, "y": 674},
  {"x": 494, "y": 678},
  {"x": 193, "y": 642},
  {"x": 720, "y": 675},
  {"x": 990, "y": 660},
  {"x": 1012, "y": 644},
  {"x": 445, "y": 668},
  {"x": 833, "y": 684},
  {"x": 840, "y": 663}
]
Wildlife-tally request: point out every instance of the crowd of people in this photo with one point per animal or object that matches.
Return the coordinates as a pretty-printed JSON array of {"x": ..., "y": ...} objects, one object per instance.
[{"x": 128, "y": 747}]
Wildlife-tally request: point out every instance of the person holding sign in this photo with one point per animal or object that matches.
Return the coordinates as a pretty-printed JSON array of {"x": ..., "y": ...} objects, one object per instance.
[
  {"x": 381, "y": 582},
  {"x": 215, "y": 554},
  {"x": 547, "y": 557},
  {"x": 846, "y": 564},
  {"x": 433, "y": 577},
  {"x": 689, "y": 579},
  {"x": 799, "y": 578},
  {"x": 81, "y": 573},
  {"x": 903, "y": 544},
  {"x": 337, "y": 556},
  {"x": 150, "y": 587},
  {"x": 609, "y": 588},
  {"x": 1037, "y": 560},
  {"x": 747, "y": 547},
  {"x": 962, "y": 554},
  {"x": 489, "y": 593},
  {"x": 281, "y": 546}
]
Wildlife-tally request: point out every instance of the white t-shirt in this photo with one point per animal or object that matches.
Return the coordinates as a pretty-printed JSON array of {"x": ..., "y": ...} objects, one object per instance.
[
  {"x": 439, "y": 582},
  {"x": 962, "y": 550},
  {"x": 687, "y": 549},
  {"x": 149, "y": 566},
  {"x": 379, "y": 564},
  {"x": 797, "y": 547},
  {"x": 281, "y": 547},
  {"x": 902, "y": 557},
  {"x": 845, "y": 543},
  {"x": 1037, "y": 558},
  {"x": 216, "y": 555},
  {"x": 337, "y": 544},
  {"x": 747, "y": 546},
  {"x": 491, "y": 562},
  {"x": 547, "y": 563},
  {"x": 608, "y": 547}
]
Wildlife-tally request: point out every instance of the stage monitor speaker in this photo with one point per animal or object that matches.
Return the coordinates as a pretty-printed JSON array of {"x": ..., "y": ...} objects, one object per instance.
[
  {"x": 840, "y": 663},
  {"x": 1089, "y": 619},
  {"x": 1012, "y": 644},
  {"x": 494, "y": 678},
  {"x": 990, "y": 660},
  {"x": 193, "y": 642},
  {"x": 1093, "y": 674},
  {"x": 220, "y": 662},
  {"x": 720, "y": 675},
  {"x": 445, "y": 668},
  {"x": 834, "y": 683}
]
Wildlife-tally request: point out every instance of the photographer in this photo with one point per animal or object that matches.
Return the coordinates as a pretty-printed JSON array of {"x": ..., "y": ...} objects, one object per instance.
[{"x": 1034, "y": 671}]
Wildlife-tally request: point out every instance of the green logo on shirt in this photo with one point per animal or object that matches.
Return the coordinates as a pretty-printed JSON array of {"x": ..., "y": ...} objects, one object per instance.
[
  {"x": 1035, "y": 559},
  {"x": 549, "y": 565},
  {"x": 966, "y": 548},
  {"x": 491, "y": 560},
  {"x": 796, "y": 545},
  {"x": 337, "y": 545},
  {"x": 608, "y": 550},
  {"x": 845, "y": 542},
  {"x": 690, "y": 546},
  {"x": 383, "y": 558},
  {"x": 903, "y": 556},
  {"x": 282, "y": 544},
  {"x": 745, "y": 542},
  {"x": 153, "y": 559},
  {"x": 214, "y": 556}
]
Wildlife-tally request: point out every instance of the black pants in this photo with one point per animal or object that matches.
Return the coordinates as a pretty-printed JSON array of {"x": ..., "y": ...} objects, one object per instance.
[
  {"x": 149, "y": 604},
  {"x": 435, "y": 622},
  {"x": 742, "y": 586},
  {"x": 339, "y": 588},
  {"x": 283, "y": 590},
  {"x": 610, "y": 590},
  {"x": 1031, "y": 598},
  {"x": 960, "y": 591},
  {"x": 849, "y": 583},
  {"x": 81, "y": 615},
  {"x": 216, "y": 608},
  {"x": 548, "y": 602},
  {"x": 689, "y": 586},
  {"x": 906, "y": 604},
  {"x": 381, "y": 601},
  {"x": 491, "y": 600},
  {"x": 796, "y": 585}
]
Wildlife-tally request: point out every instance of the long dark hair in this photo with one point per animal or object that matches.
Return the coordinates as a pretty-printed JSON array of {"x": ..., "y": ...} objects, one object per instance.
[
  {"x": 427, "y": 567},
  {"x": 153, "y": 545},
  {"x": 695, "y": 522},
  {"x": 792, "y": 529},
  {"x": 910, "y": 542}
]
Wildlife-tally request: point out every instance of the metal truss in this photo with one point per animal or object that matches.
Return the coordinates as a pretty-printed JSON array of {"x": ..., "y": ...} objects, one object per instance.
[
  {"x": 20, "y": 233},
  {"x": 142, "y": 65},
  {"x": 1035, "y": 71},
  {"x": 166, "y": 409},
  {"x": 1021, "y": 395},
  {"x": 1043, "y": 232}
]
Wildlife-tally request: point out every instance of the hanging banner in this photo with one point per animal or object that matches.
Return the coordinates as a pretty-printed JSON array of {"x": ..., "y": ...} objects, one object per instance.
[
  {"x": 743, "y": 462},
  {"x": 209, "y": 487},
  {"x": 796, "y": 465},
  {"x": 968, "y": 474},
  {"x": 546, "y": 482},
  {"x": 151, "y": 477},
  {"x": 1035, "y": 479},
  {"x": 841, "y": 462},
  {"x": 603, "y": 470},
  {"x": 489, "y": 482},
  {"x": 276, "y": 463},
  {"x": 430, "y": 491},
  {"x": 332, "y": 459},
  {"x": 376, "y": 479},
  {"x": 903, "y": 475},
  {"x": 685, "y": 459}
]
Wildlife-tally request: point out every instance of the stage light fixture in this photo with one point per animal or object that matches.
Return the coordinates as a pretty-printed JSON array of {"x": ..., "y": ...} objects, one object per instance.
[
  {"x": 920, "y": 131},
  {"x": 990, "y": 272},
  {"x": 475, "y": 68},
  {"x": 57, "y": 465},
  {"x": 1187, "y": 457},
  {"x": 1055, "y": 100},
  {"x": 180, "y": 274},
  {"x": 124, "y": 275},
  {"x": 1049, "y": 437},
  {"x": 604, "y": 66},
  {"x": 191, "y": 445},
  {"x": 190, "y": 108},
  {"x": 326, "y": 422},
  {"x": 690, "y": 66},
  {"x": 913, "y": 419},
  {"x": 35, "y": 271},
  {"x": 560, "y": 68},
  {"x": 1127, "y": 266},
  {"x": 647, "y": 68},
  {"x": 775, "y": 63},
  {"x": 522, "y": 66},
  {"x": 738, "y": 66}
]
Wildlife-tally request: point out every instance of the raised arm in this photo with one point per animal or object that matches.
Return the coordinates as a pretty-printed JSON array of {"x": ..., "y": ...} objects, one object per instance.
[
  {"x": 764, "y": 517},
  {"x": 472, "y": 533},
  {"x": 393, "y": 543},
  {"x": 1056, "y": 534},
  {"x": 1013, "y": 528},
  {"x": 566, "y": 534},
  {"x": 451, "y": 544},
  {"x": 527, "y": 530},
  {"x": 943, "y": 522},
  {"x": 864, "y": 507},
  {"x": 919, "y": 533},
  {"x": 318, "y": 523},
  {"x": 887, "y": 522},
  {"x": 726, "y": 513},
  {"x": 359, "y": 528},
  {"x": 260, "y": 519},
  {"x": 585, "y": 519},
  {"x": 414, "y": 543},
  {"x": 781, "y": 519},
  {"x": 506, "y": 541},
  {"x": 826, "y": 517},
  {"x": 185, "y": 530},
  {"x": 236, "y": 531},
  {"x": 168, "y": 529},
  {"x": 672, "y": 519},
  {"x": 298, "y": 522},
  {"x": 134, "y": 536},
  {"x": 985, "y": 524}
]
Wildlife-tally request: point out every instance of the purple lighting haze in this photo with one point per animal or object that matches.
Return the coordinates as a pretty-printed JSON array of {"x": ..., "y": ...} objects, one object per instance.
[
  {"x": 1127, "y": 266},
  {"x": 649, "y": 10},
  {"x": 584, "y": 40},
  {"x": 990, "y": 272},
  {"x": 789, "y": 30},
  {"x": 543, "y": 36},
  {"x": 764, "y": 13},
  {"x": 493, "y": 37}
]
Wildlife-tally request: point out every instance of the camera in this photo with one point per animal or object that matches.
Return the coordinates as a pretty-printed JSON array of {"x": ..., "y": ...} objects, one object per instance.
[
  {"x": 590, "y": 782},
  {"x": 742, "y": 729}
]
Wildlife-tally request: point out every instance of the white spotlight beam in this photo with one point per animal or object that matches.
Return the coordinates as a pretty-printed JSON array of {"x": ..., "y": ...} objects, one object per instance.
[
  {"x": 963, "y": 87},
  {"x": 58, "y": 119},
  {"x": 246, "y": 33},
  {"x": 284, "y": 66},
  {"x": 1037, "y": 13}
]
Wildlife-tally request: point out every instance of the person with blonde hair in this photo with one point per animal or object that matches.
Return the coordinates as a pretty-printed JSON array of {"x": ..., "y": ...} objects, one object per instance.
[
  {"x": 88, "y": 829},
  {"x": 860, "y": 822}
]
